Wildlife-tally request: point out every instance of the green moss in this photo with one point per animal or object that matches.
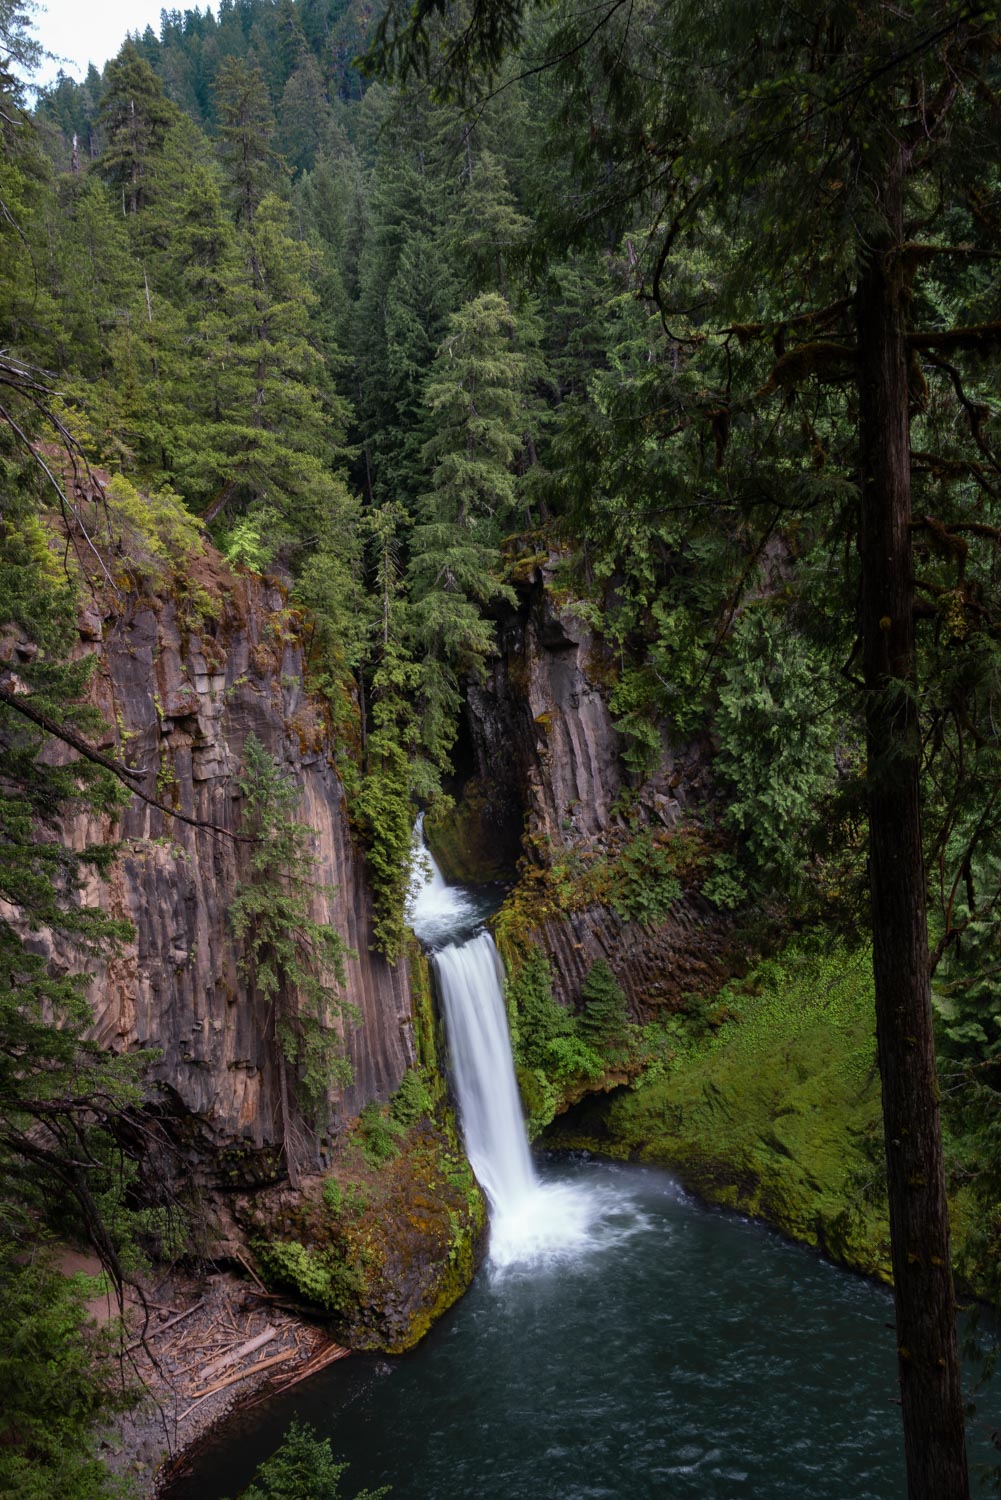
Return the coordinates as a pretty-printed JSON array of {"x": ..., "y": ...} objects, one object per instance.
[
  {"x": 768, "y": 1101},
  {"x": 641, "y": 877},
  {"x": 540, "y": 1100},
  {"x": 422, "y": 1009},
  {"x": 463, "y": 838}
]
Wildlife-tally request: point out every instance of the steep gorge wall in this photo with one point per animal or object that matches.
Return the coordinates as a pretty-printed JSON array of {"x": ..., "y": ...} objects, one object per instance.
[
  {"x": 179, "y": 696},
  {"x": 548, "y": 769}
]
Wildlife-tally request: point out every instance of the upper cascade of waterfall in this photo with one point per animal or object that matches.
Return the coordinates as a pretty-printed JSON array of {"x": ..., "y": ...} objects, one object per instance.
[{"x": 437, "y": 912}]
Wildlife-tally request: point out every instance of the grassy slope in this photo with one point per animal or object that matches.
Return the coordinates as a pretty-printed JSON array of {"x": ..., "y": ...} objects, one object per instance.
[{"x": 768, "y": 1102}]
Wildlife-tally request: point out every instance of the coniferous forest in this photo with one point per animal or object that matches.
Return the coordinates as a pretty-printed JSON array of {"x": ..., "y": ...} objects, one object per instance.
[{"x": 686, "y": 317}]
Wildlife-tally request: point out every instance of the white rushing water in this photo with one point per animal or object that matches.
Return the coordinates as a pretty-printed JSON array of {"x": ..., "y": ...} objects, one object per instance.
[
  {"x": 434, "y": 909},
  {"x": 530, "y": 1222}
]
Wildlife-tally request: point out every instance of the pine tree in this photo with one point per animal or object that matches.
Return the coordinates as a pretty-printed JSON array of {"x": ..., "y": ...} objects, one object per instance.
[
  {"x": 603, "y": 1019},
  {"x": 476, "y": 393},
  {"x": 64, "y": 1101},
  {"x": 395, "y": 763},
  {"x": 408, "y": 287},
  {"x": 293, "y": 963},
  {"x": 304, "y": 117},
  {"x": 246, "y": 134}
]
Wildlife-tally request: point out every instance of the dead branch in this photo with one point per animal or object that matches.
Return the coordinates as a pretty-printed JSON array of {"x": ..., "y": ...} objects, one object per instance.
[
  {"x": 156, "y": 1332},
  {"x": 21, "y": 704}
]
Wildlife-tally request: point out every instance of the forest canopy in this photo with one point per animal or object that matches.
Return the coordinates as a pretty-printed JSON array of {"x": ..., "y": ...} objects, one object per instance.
[{"x": 689, "y": 313}]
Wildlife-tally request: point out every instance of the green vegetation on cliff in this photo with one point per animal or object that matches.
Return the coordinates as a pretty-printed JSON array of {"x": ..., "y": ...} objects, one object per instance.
[{"x": 766, "y": 1099}]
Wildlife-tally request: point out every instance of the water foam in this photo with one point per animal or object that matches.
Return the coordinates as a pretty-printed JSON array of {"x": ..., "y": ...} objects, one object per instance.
[
  {"x": 434, "y": 909},
  {"x": 560, "y": 1223},
  {"x": 532, "y": 1223}
]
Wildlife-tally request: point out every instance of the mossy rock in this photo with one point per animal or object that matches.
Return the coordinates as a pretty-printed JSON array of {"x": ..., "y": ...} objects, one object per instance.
[
  {"x": 775, "y": 1113},
  {"x": 382, "y": 1249},
  {"x": 468, "y": 844}
]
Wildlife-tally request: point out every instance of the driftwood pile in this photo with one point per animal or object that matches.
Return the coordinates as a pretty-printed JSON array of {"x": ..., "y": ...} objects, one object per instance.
[{"x": 232, "y": 1334}]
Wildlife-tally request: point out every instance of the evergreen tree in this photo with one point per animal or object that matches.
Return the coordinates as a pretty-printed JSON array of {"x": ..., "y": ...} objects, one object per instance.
[
  {"x": 476, "y": 392},
  {"x": 304, "y": 117},
  {"x": 303, "y": 1468},
  {"x": 246, "y": 134},
  {"x": 64, "y": 1101},
  {"x": 293, "y": 963},
  {"x": 394, "y": 758},
  {"x": 408, "y": 287},
  {"x": 603, "y": 1019},
  {"x": 134, "y": 116}
]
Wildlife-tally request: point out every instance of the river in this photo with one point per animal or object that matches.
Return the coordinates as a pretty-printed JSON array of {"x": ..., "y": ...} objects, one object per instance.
[{"x": 622, "y": 1340}]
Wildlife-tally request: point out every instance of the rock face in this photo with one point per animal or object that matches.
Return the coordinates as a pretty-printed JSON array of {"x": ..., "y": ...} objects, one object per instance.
[
  {"x": 180, "y": 689},
  {"x": 548, "y": 766},
  {"x": 656, "y": 966},
  {"x": 543, "y": 737}
]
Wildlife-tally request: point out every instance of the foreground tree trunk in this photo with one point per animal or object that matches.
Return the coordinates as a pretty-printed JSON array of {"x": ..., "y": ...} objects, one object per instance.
[{"x": 934, "y": 1439}]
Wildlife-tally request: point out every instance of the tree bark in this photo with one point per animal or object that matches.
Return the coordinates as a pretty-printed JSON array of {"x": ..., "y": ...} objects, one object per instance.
[
  {"x": 928, "y": 1359},
  {"x": 285, "y": 1108}
]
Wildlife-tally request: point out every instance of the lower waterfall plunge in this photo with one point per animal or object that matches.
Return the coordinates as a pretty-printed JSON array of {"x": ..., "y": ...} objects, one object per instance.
[
  {"x": 469, "y": 982},
  {"x": 530, "y": 1221},
  {"x": 625, "y": 1341}
]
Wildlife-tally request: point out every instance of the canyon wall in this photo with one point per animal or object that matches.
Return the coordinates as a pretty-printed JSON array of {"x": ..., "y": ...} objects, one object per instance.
[
  {"x": 548, "y": 775},
  {"x": 181, "y": 679}
]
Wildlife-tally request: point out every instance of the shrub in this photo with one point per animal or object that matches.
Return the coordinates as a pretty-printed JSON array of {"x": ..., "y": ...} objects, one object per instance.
[
  {"x": 776, "y": 750},
  {"x": 725, "y": 886},
  {"x": 318, "y": 1276},
  {"x": 380, "y": 1135},
  {"x": 537, "y": 1019},
  {"x": 570, "y": 1057},
  {"x": 644, "y": 883},
  {"x": 303, "y": 1468},
  {"x": 412, "y": 1100}
]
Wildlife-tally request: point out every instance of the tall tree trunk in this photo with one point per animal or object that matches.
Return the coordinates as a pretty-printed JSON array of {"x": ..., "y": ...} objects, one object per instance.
[
  {"x": 285, "y": 1107},
  {"x": 934, "y": 1440}
]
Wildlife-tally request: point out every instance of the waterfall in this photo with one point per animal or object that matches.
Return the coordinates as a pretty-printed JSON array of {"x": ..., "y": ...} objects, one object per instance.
[
  {"x": 437, "y": 911},
  {"x": 469, "y": 982},
  {"x": 531, "y": 1222}
]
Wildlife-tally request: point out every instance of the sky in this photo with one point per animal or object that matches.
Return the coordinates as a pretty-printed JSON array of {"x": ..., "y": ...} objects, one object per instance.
[{"x": 83, "y": 32}]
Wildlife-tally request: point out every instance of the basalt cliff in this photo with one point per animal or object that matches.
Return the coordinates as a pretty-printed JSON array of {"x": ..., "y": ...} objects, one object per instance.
[
  {"x": 543, "y": 804},
  {"x": 179, "y": 699}
]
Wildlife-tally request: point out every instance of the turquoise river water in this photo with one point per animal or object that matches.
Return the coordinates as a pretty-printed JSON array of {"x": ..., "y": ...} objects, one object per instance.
[{"x": 685, "y": 1353}]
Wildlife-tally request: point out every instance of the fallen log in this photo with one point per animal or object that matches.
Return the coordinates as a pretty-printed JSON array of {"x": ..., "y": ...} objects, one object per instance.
[
  {"x": 232, "y": 1356},
  {"x": 262, "y": 1364},
  {"x": 155, "y": 1333},
  {"x": 328, "y": 1355}
]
